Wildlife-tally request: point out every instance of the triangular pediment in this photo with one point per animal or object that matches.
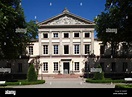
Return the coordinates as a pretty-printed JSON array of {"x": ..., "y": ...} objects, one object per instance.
[{"x": 66, "y": 18}]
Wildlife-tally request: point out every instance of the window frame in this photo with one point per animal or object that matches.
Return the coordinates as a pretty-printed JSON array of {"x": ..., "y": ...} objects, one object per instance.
[
  {"x": 66, "y": 36},
  {"x": 56, "y": 66},
  {"x": 45, "y": 34},
  {"x": 30, "y": 50},
  {"x": 56, "y": 49},
  {"x": 55, "y": 35},
  {"x": 77, "y": 35},
  {"x": 19, "y": 67},
  {"x": 45, "y": 49},
  {"x": 76, "y": 49},
  {"x": 77, "y": 66},
  {"x": 85, "y": 34},
  {"x": 66, "y": 50},
  {"x": 45, "y": 66},
  {"x": 87, "y": 51}
]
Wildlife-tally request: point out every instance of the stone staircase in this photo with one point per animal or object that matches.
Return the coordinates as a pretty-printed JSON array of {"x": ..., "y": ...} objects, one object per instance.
[{"x": 67, "y": 76}]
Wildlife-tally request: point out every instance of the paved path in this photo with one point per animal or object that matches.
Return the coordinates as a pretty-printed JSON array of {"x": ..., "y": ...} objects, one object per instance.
[{"x": 66, "y": 83}]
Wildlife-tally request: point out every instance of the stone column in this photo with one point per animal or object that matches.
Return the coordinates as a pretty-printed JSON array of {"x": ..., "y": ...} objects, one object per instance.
[
  {"x": 40, "y": 42},
  {"x": 71, "y": 43},
  {"x": 60, "y": 45},
  {"x": 92, "y": 41},
  {"x": 81, "y": 45},
  {"x": 50, "y": 44}
]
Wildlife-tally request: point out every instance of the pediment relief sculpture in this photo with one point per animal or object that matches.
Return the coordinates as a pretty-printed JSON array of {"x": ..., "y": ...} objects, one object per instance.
[{"x": 65, "y": 21}]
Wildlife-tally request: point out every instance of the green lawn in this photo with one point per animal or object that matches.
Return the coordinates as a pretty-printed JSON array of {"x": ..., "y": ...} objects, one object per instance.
[
  {"x": 123, "y": 85},
  {"x": 25, "y": 82},
  {"x": 105, "y": 81}
]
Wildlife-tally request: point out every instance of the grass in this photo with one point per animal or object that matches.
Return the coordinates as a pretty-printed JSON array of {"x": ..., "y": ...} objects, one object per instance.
[
  {"x": 105, "y": 81},
  {"x": 25, "y": 82},
  {"x": 123, "y": 86},
  {"x": 113, "y": 81}
]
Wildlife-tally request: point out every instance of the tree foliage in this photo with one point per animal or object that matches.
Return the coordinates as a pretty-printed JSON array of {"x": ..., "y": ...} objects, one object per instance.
[
  {"x": 32, "y": 28},
  {"x": 98, "y": 75},
  {"x": 12, "y": 43},
  {"x": 117, "y": 15},
  {"x": 31, "y": 76}
]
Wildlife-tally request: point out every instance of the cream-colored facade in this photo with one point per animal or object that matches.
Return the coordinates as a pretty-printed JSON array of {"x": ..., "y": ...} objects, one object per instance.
[{"x": 64, "y": 42}]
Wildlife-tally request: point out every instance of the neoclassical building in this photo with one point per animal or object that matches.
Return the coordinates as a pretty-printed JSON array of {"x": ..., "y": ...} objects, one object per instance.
[
  {"x": 66, "y": 45},
  {"x": 64, "y": 42}
]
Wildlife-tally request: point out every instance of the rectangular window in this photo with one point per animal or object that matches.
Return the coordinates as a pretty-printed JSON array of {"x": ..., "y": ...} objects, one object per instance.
[
  {"x": 76, "y": 34},
  {"x": 102, "y": 48},
  {"x": 55, "y": 49},
  {"x": 45, "y": 35},
  {"x": 87, "y": 34},
  {"x": 113, "y": 67},
  {"x": 102, "y": 66},
  {"x": 66, "y": 35},
  {"x": 45, "y": 66},
  {"x": 87, "y": 48},
  {"x": 19, "y": 67},
  {"x": 66, "y": 49},
  {"x": 76, "y": 49},
  {"x": 125, "y": 66},
  {"x": 55, "y": 35},
  {"x": 30, "y": 50},
  {"x": 45, "y": 49},
  {"x": 76, "y": 66},
  {"x": 55, "y": 66}
]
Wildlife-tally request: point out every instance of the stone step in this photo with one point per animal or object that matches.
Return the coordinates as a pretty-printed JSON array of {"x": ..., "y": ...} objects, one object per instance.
[{"x": 67, "y": 76}]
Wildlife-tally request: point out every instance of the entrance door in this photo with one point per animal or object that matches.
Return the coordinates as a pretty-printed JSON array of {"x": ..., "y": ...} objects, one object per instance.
[{"x": 66, "y": 67}]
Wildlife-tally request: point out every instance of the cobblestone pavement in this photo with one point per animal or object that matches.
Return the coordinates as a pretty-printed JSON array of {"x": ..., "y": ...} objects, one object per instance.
[{"x": 66, "y": 83}]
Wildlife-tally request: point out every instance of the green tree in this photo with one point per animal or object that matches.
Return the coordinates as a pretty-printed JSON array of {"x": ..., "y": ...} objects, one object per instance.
[
  {"x": 31, "y": 76},
  {"x": 12, "y": 43},
  {"x": 32, "y": 29},
  {"x": 117, "y": 15}
]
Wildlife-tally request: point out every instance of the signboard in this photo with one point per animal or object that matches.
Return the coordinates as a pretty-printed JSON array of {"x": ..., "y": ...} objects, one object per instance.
[
  {"x": 5, "y": 70},
  {"x": 95, "y": 69},
  {"x": 20, "y": 30},
  {"x": 111, "y": 30}
]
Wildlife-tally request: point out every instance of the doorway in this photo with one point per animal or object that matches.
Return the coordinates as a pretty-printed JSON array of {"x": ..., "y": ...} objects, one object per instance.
[{"x": 66, "y": 68}]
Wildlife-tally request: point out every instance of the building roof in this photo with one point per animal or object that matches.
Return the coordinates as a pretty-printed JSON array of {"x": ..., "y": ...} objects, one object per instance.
[{"x": 66, "y": 18}]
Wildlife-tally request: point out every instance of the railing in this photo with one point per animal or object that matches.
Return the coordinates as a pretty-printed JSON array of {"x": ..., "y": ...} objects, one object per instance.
[{"x": 5, "y": 70}]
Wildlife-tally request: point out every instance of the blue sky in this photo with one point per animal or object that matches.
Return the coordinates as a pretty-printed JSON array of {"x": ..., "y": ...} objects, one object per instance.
[{"x": 44, "y": 9}]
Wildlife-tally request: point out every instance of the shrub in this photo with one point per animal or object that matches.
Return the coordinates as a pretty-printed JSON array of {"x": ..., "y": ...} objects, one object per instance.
[
  {"x": 25, "y": 82},
  {"x": 31, "y": 76},
  {"x": 104, "y": 81},
  {"x": 123, "y": 86},
  {"x": 98, "y": 75}
]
